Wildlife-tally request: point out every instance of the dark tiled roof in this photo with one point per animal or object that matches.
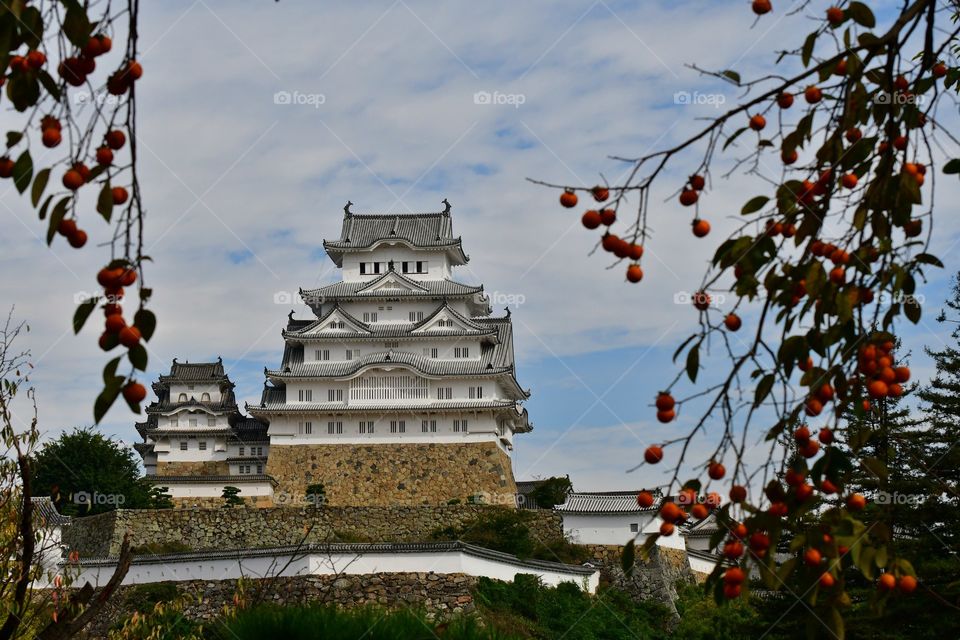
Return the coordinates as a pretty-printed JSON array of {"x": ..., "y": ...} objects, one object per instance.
[
  {"x": 604, "y": 502},
  {"x": 403, "y": 330},
  {"x": 45, "y": 513},
  {"x": 423, "y": 364},
  {"x": 195, "y": 372},
  {"x": 419, "y": 230},
  {"x": 352, "y": 290},
  {"x": 226, "y": 480},
  {"x": 274, "y": 402}
]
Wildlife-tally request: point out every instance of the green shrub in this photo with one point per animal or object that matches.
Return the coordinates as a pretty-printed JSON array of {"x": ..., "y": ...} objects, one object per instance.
[
  {"x": 527, "y": 608},
  {"x": 506, "y": 530},
  {"x": 160, "y": 548},
  {"x": 330, "y": 623}
]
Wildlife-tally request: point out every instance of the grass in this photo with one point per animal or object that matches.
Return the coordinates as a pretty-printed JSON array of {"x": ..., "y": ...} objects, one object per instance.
[{"x": 330, "y": 623}]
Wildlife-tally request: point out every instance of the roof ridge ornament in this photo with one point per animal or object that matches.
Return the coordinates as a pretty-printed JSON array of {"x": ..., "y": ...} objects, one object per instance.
[
  {"x": 290, "y": 316},
  {"x": 507, "y": 309},
  {"x": 346, "y": 208},
  {"x": 446, "y": 207}
]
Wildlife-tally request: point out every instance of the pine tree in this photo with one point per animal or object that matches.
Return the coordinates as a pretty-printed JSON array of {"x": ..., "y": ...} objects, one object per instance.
[{"x": 939, "y": 448}]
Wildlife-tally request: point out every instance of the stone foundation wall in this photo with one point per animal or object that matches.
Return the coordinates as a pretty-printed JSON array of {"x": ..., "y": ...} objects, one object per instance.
[
  {"x": 394, "y": 474},
  {"x": 205, "y": 468},
  {"x": 652, "y": 579},
  {"x": 200, "y": 529},
  {"x": 436, "y": 593}
]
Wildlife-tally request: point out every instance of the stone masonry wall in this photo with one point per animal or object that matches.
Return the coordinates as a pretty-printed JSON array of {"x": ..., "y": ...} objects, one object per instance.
[
  {"x": 652, "y": 579},
  {"x": 394, "y": 474},
  {"x": 442, "y": 594},
  {"x": 199, "y": 529},
  {"x": 205, "y": 468}
]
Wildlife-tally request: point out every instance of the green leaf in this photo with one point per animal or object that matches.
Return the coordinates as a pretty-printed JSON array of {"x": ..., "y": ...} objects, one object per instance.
[
  {"x": 83, "y": 312},
  {"x": 911, "y": 308},
  {"x": 76, "y": 26},
  {"x": 39, "y": 184},
  {"x": 861, "y": 14},
  {"x": 952, "y": 166},
  {"x": 13, "y": 137},
  {"x": 754, "y": 204},
  {"x": 732, "y": 75},
  {"x": 106, "y": 399},
  {"x": 628, "y": 558},
  {"x": 146, "y": 322},
  {"x": 49, "y": 84},
  {"x": 763, "y": 389},
  {"x": 138, "y": 357},
  {"x": 31, "y": 27},
  {"x": 45, "y": 206},
  {"x": 733, "y": 137},
  {"x": 926, "y": 258},
  {"x": 110, "y": 370},
  {"x": 693, "y": 362},
  {"x": 105, "y": 202},
  {"x": 875, "y": 466},
  {"x": 23, "y": 171},
  {"x": 59, "y": 210},
  {"x": 807, "y": 51}
]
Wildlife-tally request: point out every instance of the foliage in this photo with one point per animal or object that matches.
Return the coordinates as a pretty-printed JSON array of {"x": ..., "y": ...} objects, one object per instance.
[
  {"x": 828, "y": 256},
  {"x": 702, "y": 619},
  {"x": 532, "y": 610},
  {"x": 231, "y": 497},
  {"x": 507, "y": 530},
  {"x": 163, "y": 621},
  {"x": 552, "y": 491},
  {"x": 316, "y": 494},
  {"x": 72, "y": 69},
  {"x": 160, "y": 498},
  {"x": 143, "y": 597},
  {"x": 368, "y": 623},
  {"x": 86, "y": 473}
]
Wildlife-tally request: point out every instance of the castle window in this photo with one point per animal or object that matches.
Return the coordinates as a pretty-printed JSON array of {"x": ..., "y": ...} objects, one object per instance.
[
  {"x": 172, "y": 422},
  {"x": 244, "y": 469},
  {"x": 475, "y": 393},
  {"x": 376, "y": 267},
  {"x": 430, "y": 352},
  {"x": 335, "y": 428},
  {"x": 459, "y": 426},
  {"x": 190, "y": 387},
  {"x": 205, "y": 397},
  {"x": 634, "y": 527},
  {"x": 353, "y": 354},
  {"x": 322, "y": 354},
  {"x": 444, "y": 393},
  {"x": 429, "y": 426},
  {"x": 393, "y": 344},
  {"x": 461, "y": 352},
  {"x": 306, "y": 395},
  {"x": 363, "y": 268},
  {"x": 259, "y": 451},
  {"x": 366, "y": 426},
  {"x": 334, "y": 395},
  {"x": 422, "y": 266},
  {"x": 306, "y": 428},
  {"x": 405, "y": 267},
  {"x": 183, "y": 445},
  {"x": 211, "y": 422},
  {"x": 182, "y": 398},
  {"x": 259, "y": 468},
  {"x": 369, "y": 316},
  {"x": 203, "y": 445},
  {"x": 392, "y": 387},
  {"x": 241, "y": 451},
  {"x": 415, "y": 316},
  {"x": 193, "y": 422},
  {"x": 398, "y": 426}
]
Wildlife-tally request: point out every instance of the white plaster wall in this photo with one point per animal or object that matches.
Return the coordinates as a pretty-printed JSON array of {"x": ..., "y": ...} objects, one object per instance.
[
  {"x": 439, "y": 266},
  {"x": 605, "y": 528},
  {"x": 322, "y": 564},
  {"x": 213, "y": 490},
  {"x": 197, "y": 391},
  {"x": 338, "y": 348}
]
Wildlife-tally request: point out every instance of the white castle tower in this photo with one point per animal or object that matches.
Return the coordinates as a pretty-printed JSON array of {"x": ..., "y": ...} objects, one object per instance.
[{"x": 402, "y": 389}]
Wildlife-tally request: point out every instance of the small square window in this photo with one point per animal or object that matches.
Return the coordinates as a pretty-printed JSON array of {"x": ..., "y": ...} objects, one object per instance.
[
  {"x": 183, "y": 445},
  {"x": 634, "y": 527}
]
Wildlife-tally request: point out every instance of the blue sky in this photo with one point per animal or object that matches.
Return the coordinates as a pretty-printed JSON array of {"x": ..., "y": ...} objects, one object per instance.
[{"x": 241, "y": 189}]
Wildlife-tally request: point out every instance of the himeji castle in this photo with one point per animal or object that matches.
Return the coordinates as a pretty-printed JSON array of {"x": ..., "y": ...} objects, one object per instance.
[{"x": 401, "y": 389}]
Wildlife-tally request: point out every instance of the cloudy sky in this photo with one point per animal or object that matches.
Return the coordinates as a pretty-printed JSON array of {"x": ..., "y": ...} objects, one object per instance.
[{"x": 388, "y": 108}]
